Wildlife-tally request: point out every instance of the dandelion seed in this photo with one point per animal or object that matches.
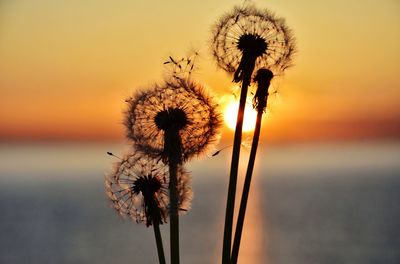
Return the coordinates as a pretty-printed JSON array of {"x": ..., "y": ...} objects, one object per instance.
[
  {"x": 216, "y": 153},
  {"x": 183, "y": 68}
]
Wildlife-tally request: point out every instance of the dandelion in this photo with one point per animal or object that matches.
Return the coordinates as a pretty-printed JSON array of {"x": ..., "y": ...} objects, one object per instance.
[
  {"x": 245, "y": 40},
  {"x": 248, "y": 39},
  {"x": 173, "y": 123},
  {"x": 175, "y": 120},
  {"x": 138, "y": 188}
]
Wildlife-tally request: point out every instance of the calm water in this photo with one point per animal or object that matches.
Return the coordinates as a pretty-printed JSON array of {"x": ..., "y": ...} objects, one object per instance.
[{"x": 309, "y": 204}]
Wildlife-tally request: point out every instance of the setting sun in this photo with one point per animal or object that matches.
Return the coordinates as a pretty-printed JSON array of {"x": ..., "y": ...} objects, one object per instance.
[{"x": 230, "y": 115}]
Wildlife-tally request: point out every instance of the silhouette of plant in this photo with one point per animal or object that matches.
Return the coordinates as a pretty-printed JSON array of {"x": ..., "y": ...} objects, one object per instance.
[
  {"x": 174, "y": 119},
  {"x": 173, "y": 123},
  {"x": 138, "y": 188},
  {"x": 244, "y": 40},
  {"x": 263, "y": 79},
  {"x": 251, "y": 38}
]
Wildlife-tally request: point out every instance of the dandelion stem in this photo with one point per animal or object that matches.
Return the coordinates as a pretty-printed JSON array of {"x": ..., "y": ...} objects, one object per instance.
[
  {"x": 154, "y": 210},
  {"x": 173, "y": 150},
  {"x": 173, "y": 215},
  {"x": 246, "y": 190},
  {"x": 160, "y": 249},
  {"x": 230, "y": 204}
]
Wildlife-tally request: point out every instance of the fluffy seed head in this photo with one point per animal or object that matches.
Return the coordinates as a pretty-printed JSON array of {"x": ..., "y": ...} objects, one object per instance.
[
  {"x": 138, "y": 188},
  {"x": 171, "y": 118},
  {"x": 252, "y": 43},
  {"x": 247, "y": 28},
  {"x": 178, "y": 104}
]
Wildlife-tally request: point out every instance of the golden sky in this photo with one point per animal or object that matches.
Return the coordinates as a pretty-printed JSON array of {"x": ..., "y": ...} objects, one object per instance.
[{"x": 67, "y": 66}]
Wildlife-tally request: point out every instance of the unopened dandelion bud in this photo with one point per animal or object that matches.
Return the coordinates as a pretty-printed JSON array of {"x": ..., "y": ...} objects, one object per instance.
[{"x": 263, "y": 79}]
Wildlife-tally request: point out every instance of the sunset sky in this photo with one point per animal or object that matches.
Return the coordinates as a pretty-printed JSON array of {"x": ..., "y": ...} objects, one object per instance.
[{"x": 67, "y": 66}]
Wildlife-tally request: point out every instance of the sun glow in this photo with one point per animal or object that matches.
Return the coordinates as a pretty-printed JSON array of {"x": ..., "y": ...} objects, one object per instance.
[{"x": 230, "y": 116}]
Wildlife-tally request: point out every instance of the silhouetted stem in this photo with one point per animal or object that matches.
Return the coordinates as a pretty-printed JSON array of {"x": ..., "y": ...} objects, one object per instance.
[
  {"x": 160, "y": 249},
  {"x": 246, "y": 189},
  {"x": 172, "y": 148},
  {"x": 173, "y": 214},
  {"x": 154, "y": 211},
  {"x": 230, "y": 204}
]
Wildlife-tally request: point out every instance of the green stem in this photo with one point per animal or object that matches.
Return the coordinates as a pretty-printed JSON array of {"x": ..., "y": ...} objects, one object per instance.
[
  {"x": 230, "y": 204},
  {"x": 246, "y": 189},
  {"x": 160, "y": 249},
  {"x": 173, "y": 214}
]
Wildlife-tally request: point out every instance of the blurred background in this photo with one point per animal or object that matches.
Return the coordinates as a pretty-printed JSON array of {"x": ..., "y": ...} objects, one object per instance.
[{"x": 327, "y": 174}]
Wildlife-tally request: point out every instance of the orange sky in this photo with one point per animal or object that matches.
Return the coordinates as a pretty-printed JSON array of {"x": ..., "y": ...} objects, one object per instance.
[{"x": 67, "y": 66}]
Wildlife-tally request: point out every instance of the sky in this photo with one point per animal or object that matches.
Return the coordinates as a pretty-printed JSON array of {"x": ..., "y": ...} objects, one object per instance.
[{"x": 67, "y": 66}]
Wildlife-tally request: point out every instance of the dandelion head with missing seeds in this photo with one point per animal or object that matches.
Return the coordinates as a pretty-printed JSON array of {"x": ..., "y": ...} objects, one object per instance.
[
  {"x": 176, "y": 117},
  {"x": 138, "y": 188},
  {"x": 247, "y": 39}
]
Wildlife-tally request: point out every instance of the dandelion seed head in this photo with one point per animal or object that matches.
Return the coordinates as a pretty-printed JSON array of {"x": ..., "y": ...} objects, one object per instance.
[
  {"x": 146, "y": 185},
  {"x": 253, "y": 43},
  {"x": 178, "y": 104},
  {"x": 247, "y": 28},
  {"x": 138, "y": 188},
  {"x": 171, "y": 118}
]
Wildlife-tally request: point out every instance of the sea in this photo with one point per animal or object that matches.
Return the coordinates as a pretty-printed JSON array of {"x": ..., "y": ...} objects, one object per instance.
[{"x": 311, "y": 203}]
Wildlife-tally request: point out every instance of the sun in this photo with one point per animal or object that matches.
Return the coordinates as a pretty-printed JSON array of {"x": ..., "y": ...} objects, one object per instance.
[{"x": 230, "y": 115}]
